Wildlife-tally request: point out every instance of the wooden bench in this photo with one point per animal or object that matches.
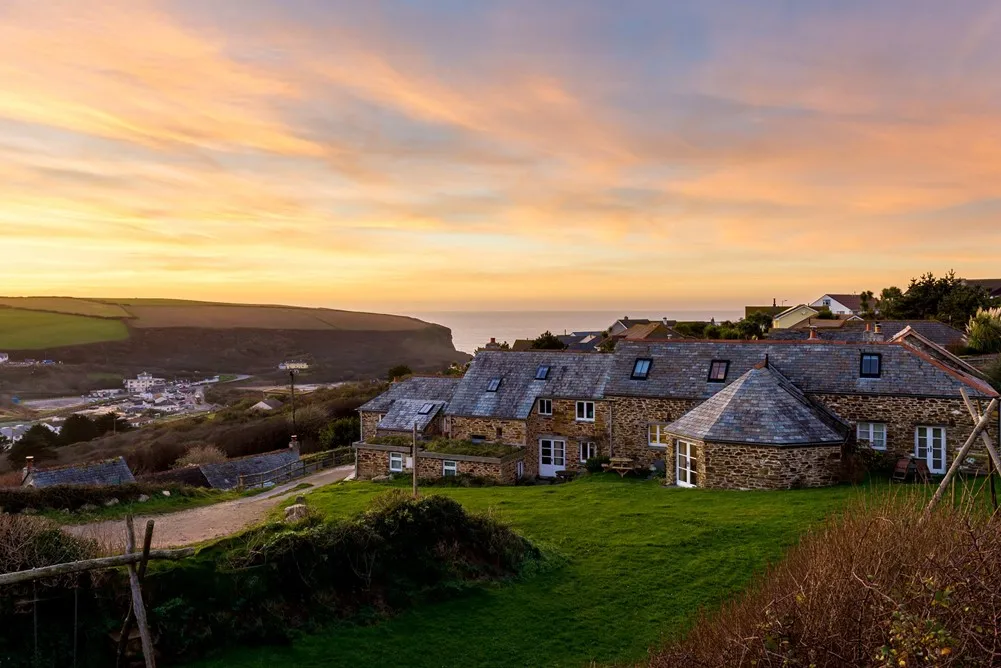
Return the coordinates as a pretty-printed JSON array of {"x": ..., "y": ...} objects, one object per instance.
[{"x": 621, "y": 465}]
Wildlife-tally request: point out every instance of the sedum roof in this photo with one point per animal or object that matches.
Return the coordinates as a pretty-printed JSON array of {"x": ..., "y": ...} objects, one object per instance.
[{"x": 761, "y": 407}]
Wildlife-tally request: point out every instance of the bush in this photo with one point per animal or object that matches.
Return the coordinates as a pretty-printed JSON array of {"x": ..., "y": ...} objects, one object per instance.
[
  {"x": 874, "y": 587},
  {"x": 342, "y": 431},
  {"x": 58, "y": 497},
  {"x": 984, "y": 331},
  {"x": 200, "y": 454},
  {"x": 594, "y": 464}
]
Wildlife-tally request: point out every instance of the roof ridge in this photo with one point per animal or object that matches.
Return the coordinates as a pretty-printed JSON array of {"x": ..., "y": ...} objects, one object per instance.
[{"x": 61, "y": 467}]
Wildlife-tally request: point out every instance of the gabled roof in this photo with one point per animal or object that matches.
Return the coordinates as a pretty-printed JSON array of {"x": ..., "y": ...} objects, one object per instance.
[
  {"x": 270, "y": 402},
  {"x": 761, "y": 407},
  {"x": 853, "y": 302},
  {"x": 628, "y": 322},
  {"x": 110, "y": 472},
  {"x": 854, "y": 331},
  {"x": 795, "y": 308},
  {"x": 226, "y": 475},
  {"x": 405, "y": 413},
  {"x": 571, "y": 376},
  {"x": 428, "y": 388},
  {"x": 680, "y": 369},
  {"x": 911, "y": 337},
  {"x": 652, "y": 330},
  {"x": 993, "y": 285}
]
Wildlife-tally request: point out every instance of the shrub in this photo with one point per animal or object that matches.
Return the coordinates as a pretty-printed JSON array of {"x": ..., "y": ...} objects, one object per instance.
[
  {"x": 594, "y": 464},
  {"x": 342, "y": 431},
  {"x": 58, "y": 497},
  {"x": 200, "y": 454},
  {"x": 874, "y": 587},
  {"x": 984, "y": 331}
]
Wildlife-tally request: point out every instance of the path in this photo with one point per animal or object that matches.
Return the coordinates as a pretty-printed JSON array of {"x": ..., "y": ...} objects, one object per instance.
[{"x": 198, "y": 524}]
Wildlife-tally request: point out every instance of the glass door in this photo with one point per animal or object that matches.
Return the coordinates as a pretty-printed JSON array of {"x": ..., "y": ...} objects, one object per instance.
[{"x": 929, "y": 445}]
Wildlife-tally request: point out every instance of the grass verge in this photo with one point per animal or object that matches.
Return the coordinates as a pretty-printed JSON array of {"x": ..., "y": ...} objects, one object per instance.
[{"x": 157, "y": 505}]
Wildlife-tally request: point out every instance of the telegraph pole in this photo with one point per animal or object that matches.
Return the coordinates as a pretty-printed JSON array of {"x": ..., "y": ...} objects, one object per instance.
[{"x": 293, "y": 368}]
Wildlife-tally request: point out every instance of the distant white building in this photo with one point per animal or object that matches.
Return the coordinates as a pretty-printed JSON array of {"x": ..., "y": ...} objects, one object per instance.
[
  {"x": 4, "y": 358},
  {"x": 142, "y": 383}
]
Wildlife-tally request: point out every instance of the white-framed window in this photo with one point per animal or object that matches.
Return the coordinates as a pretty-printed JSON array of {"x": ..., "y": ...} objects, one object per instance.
[
  {"x": 396, "y": 462},
  {"x": 585, "y": 411},
  {"x": 519, "y": 470},
  {"x": 687, "y": 466},
  {"x": 545, "y": 406},
  {"x": 657, "y": 436},
  {"x": 588, "y": 450},
  {"x": 449, "y": 467},
  {"x": 872, "y": 434}
]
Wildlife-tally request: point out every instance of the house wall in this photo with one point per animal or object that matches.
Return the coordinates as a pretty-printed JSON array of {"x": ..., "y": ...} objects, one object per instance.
[
  {"x": 835, "y": 305},
  {"x": 512, "y": 431},
  {"x": 794, "y": 318},
  {"x": 369, "y": 424},
  {"x": 903, "y": 414},
  {"x": 631, "y": 418},
  {"x": 563, "y": 422},
  {"x": 375, "y": 462},
  {"x": 725, "y": 466}
]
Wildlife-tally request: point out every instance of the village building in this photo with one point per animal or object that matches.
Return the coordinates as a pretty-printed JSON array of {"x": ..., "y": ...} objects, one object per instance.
[{"x": 109, "y": 472}]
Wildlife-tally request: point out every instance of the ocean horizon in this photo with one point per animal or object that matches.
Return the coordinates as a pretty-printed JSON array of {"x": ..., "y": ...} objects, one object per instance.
[{"x": 472, "y": 329}]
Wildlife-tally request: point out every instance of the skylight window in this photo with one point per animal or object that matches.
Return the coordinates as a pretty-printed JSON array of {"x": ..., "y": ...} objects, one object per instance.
[
  {"x": 426, "y": 408},
  {"x": 717, "y": 371},
  {"x": 641, "y": 368},
  {"x": 870, "y": 365},
  {"x": 542, "y": 373},
  {"x": 493, "y": 385}
]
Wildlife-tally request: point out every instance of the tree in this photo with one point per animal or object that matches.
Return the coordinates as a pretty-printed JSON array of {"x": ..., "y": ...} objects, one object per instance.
[
  {"x": 755, "y": 325},
  {"x": 33, "y": 443},
  {"x": 889, "y": 301},
  {"x": 42, "y": 434},
  {"x": 202, "y": 453},
  {"x": 867, "y": 303},
  {"x": 111, "y": 423},
  {"x": 824, "y": 313},
  {"x": 343, "y": 431},
  {"x": 399, "y": 371},
  {"x": 76, "y": 429},
  {"x": 547, "y": 341}
]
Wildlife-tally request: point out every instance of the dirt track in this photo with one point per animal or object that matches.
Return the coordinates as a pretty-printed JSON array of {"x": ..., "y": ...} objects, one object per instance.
[{"x": 198, "y": 524}]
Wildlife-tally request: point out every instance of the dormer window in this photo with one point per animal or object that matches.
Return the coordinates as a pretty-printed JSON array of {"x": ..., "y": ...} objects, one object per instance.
[
  {"x": 493, "y": 385},
  {"x": 542, "y": 373},
  {"x": 426, "y": 408},
  {"x": 717, "y": 371},
  {"x": 641, "y": 368},
  {"x": 870, "y": 366}
]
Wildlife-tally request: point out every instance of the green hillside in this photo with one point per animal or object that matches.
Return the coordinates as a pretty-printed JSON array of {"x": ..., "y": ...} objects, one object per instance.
[{"x": 22, "y": 329}]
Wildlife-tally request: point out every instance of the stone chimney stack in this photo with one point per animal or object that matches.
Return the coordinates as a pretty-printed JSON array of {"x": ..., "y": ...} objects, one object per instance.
[
  {"x": 294, "y": 444},
  {"x": 868, "y": 327},
  {"x": 813, "y": 333}
]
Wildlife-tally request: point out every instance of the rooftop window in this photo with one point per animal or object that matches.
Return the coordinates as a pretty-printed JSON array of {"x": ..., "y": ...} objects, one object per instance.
[
  {"x": 493, "y": 384},
  {"x": 426, "y": 408},
  {"x": 870, "y": 365},
  {"x": 542, "y": 373},
  {"x": 717, "y": 371},
  {"x": 641, "y": 368}
]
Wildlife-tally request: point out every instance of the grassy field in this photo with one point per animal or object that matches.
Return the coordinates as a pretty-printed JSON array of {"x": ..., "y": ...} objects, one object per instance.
[
  {"x": 67, "y": 305},
  {"x": 157, "y": 504},
  {"x": 37, "y": 330},
  {"x": 632, "y": 563}
]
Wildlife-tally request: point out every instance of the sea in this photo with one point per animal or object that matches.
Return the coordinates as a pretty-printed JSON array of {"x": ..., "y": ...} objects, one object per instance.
[{"x": 472, "y": 329}]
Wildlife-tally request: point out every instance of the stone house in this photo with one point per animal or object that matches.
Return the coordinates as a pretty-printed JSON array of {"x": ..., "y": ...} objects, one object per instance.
[
  {"x": 656, "y": 402},
  {"x": 108, "y": 472}
]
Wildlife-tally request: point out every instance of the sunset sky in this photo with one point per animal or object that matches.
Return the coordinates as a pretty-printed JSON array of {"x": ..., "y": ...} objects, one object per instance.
[{"x": 509, "y": 154}]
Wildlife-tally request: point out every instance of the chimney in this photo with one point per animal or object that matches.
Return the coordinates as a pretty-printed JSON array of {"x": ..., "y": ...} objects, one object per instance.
[
  {"x": 293, "y": 445},
  {"x": 813, "y": 333},
  {"x": 493, "y": 339},
  {"x": 868, "y": 327},
  {"x": 29, "y": 464},
  {"x": 774, "y": 302}
]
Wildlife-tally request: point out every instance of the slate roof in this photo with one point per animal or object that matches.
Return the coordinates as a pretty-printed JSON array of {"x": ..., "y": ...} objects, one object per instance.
[
  {"x": 428, "y": 388},
  {"x": 109, "y": 472},
  {"x": 853, "y": 302},
  {"x": 854, "y": 331},
  {"x": 571, "y": 376},
  {"x": 761, "y": 407},
  {"x": 226, "y": 475},
  {"x": 652, "y": 330},
  {"x": 405, "y": 413},
  {"x": 680, "y": 369},
  {"x": 992, "y": 284}
]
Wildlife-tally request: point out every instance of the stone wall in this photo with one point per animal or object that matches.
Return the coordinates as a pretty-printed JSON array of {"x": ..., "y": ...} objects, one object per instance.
[
  {"x": 371, "y": 463},
  {"x": 369, "y": 424},
  {"x": 725, "y": 466},
  {"x": 511, "y": 432},
  {"x": 631, "y": 418},
  {"x": 903, "y": 414},
  {"x": 563, "y": 422},
  {"x": 374, "y": 461}
]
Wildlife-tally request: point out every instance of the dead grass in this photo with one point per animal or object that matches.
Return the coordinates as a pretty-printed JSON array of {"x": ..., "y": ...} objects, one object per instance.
[{"x": 874, "y": 587}]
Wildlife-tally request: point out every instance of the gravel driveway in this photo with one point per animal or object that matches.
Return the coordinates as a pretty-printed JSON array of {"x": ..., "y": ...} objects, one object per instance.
[{"x": 198, "y": 524}]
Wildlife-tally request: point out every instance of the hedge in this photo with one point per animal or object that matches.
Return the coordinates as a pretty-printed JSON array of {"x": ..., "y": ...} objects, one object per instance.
[{"x": 72, "y": 497}]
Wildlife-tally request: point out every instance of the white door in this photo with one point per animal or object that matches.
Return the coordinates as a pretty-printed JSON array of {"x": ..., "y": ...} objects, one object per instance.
[
  {"x": 687, "y": 466},
  {"x": 929, "y": 445},
  {"x": 552, "y": 457}
]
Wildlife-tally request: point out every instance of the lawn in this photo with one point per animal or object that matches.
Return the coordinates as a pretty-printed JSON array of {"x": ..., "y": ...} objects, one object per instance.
[
  {"x": 631, "y": 562},
  {"x": 37, "y": 330}
]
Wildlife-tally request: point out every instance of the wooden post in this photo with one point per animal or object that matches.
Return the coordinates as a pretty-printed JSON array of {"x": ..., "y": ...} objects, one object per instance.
[
  {"x": 414, "y": 458},
  {"x": 137, "y": 596},
  {"x": 957, "y": 462},
  {"x": 975, "y": 414},
  {"x": 123, "y": 639},
  {"x": 89, "y": 565}
]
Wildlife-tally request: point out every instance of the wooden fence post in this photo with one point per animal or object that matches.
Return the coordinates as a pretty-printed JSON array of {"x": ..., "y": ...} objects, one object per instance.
[{"x": 137, "y": 596}]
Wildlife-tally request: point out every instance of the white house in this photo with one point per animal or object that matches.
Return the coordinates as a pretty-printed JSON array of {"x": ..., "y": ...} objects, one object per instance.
[
  {"x": 142, "y": 383},
  {"x": 843, "y": 304}
]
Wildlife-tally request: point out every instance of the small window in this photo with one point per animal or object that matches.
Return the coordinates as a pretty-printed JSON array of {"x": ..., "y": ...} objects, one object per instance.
[
  {"x": 542, "y": 373},
  {"x": 477, "y": 438},
  {"x": 396, "y": 462},
  {"x": 657, "y": 436},
  {"x": 641, "y": 368},
  {"x": 545, "y": 406},
  {"x": 717, "y": 371},
  {"x": 872, "y": 434},
  {"x": 585, "y": 411},
  {"x": 500, "y": 432},
  {"x": 588, "y": 450},
  {"x": 449, "y": 468},
  {"x": 493, "y": 385},
  {"x": 426, "y": 408},
  {"x": 870, "y": 365},
  {"x": 519, "y": 470}
]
